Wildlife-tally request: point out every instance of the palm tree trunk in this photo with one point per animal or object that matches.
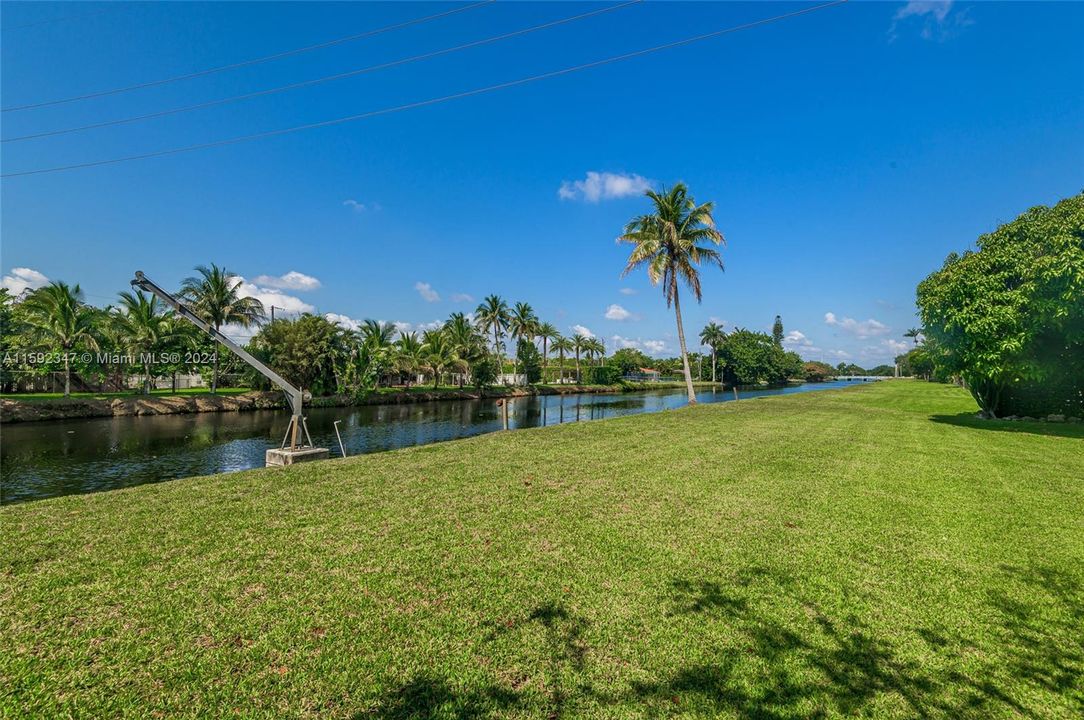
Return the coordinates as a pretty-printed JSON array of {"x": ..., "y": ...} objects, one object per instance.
[
  {"x": 712, "y": 364},
  {"x": 67, "y": 375},
  {"x": 578, "y": 381},
  {"x": 681, "y": 341},
  {"x": 545, "y": 358}
]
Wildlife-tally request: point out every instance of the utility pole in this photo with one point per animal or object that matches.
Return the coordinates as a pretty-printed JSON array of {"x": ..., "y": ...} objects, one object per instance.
[{"x": 273, "y": 307}]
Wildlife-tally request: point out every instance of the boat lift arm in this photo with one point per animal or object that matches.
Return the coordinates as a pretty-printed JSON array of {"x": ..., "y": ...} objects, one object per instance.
[{"x": 293, "y": 395}]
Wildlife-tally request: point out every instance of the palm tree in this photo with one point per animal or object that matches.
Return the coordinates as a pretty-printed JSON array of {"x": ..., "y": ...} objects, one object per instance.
[
  {"x": 914, "y": 334},
  {"x": 411, "y": 354},
  {"x": 522, "y": 325},
  {"x": 596, "y": 350},
  {"x": 466, "y": 343},
  {"x": 214, "y": 296},
  {"x": 142, "y": 325},
  {"x": 377, "y": 348},
  {"x": 547, "y": 332},
  {"x": 562, "y": 345},
  {"x": 492, "y": 315},
  {"x": 57, "y": 315},
  {"x": 439, "y": 354},
  {"x": 579, "y": 344},
  {"x": 670, "y": 242},
  {"x": 712, "y": 335}
]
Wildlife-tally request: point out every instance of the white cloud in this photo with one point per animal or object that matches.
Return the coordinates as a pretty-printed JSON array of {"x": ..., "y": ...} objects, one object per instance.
[
  {"x": 581, "y": 330},
  {"x": 655, "y": 347},
  {"x": 404, "y": 327},
  {"x": 427, "y": 292},
  {"x": 652, "y": 347},
  {"x": 627, "y": 291},
  {"x": 357, "y": 206},
  {"x": 21, "y": 278},
  {"x": 344, "y": 320},
  {"x": 896, "y": 347},
  {"x": 462, "y": 298},
  {"x": 616, "y": 312},
  {"x": 936, "y": 18},
  {"x": 603, "y": 186},
  {"x": 797, "y": 339},
  {"x": 860, "y": 329},
  {"x": 283, "y": 303},
  {"x": 292, "y": 280}
]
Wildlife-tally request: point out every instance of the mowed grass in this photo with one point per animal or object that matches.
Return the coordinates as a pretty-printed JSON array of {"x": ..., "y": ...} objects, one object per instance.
[{"x": 870, "y": 552}]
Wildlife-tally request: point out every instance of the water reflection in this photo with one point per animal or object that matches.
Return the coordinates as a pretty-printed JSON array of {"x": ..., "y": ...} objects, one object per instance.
[{"x": 46, "y": 459}]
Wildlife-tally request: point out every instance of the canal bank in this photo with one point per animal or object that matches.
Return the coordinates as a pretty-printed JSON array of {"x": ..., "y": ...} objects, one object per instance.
[
  {"x": 15, "y": 410},
  {"x": 74, "y": 456}
]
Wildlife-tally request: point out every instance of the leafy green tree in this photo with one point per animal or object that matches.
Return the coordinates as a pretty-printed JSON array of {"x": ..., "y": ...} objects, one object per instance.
[
  {"x": 712, "y": 336},
  {"x": 305, "y": 351},
  {"x": 213, "y": 295},
  {"x": 376, "y": 352},
  {"x": 1009, "y": 318},
  {"x": 629, "y": 360},
  {"x": 777, "y": 331},
  {"x": 753, "y": 357},
  {"x": 467, "y": 344},
  {"x": 529, "y": 360},
  {"x": 484, "y": 370},
  {"x": 57, "y": 316},
  {"x": 671, "y": 243}
]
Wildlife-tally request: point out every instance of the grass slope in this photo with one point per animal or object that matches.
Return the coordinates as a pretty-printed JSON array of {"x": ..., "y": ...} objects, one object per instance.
[{"x": 871, "y": 551}]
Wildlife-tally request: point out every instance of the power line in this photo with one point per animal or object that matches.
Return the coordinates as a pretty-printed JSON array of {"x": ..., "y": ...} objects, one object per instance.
[
  {"x": 253, "y": 61},
  {"x": 431, "y": 101},
  {"x": 326, "y": 78}
]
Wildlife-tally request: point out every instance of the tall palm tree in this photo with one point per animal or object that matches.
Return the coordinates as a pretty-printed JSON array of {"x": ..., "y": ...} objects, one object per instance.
[
  {"x": 214, "y": 296},
  {"x": 579, "y": 344},
  {"x": 142, "y": 325},
  {"x": 712, "y": 335},
  {"x": 58, "y": 317},
  {"x": 546, "y": 332},
  {"x": 522, "y": 325},
  {"x": 595, "y": 349},
  {"x": 914, "y": 334},
  {"x": 671, "y": 242},
  {"x": 562, "y": 345},
  {"x": 492, "y": 315}
]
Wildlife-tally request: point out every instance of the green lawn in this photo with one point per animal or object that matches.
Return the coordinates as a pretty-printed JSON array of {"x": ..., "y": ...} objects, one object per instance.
[
  {"x": 871, "y": 552},
  {"x": 186, "y": 392}
]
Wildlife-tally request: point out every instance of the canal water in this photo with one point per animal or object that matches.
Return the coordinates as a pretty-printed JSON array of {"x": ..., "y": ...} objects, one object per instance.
[{"x": 64, "y": 457}]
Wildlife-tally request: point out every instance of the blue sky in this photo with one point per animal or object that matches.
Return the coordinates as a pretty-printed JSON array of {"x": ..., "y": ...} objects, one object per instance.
[{"x": 847, "y": 151}]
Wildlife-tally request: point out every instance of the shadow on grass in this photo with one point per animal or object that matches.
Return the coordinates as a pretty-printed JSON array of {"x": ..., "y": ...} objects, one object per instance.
[
  {"x": 1069, "y": 430},
  {"x": 807, "y": 666}
]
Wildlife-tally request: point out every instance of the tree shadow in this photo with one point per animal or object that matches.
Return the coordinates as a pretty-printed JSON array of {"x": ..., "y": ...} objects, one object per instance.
[
  {"x": 561, "y": 673},
  {"x": 968, "y": 420},
  {"x": 823, "y": 666},
  {"x": 782, "y": 656}
]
